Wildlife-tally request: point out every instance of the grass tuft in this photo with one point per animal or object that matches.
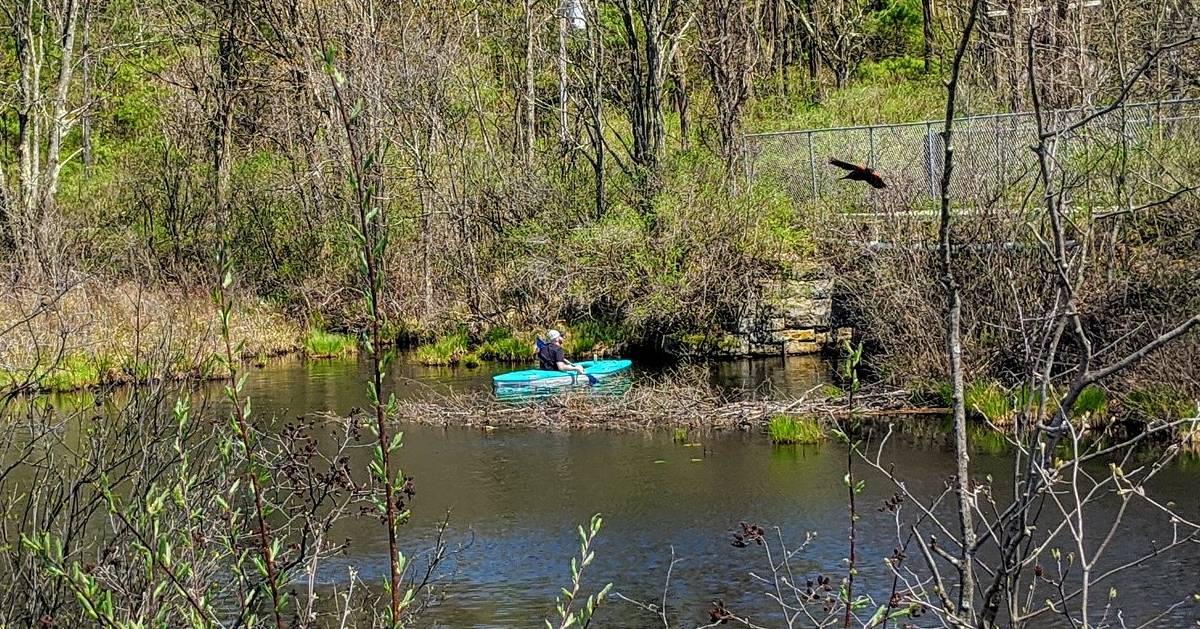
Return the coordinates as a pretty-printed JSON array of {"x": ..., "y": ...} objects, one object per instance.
[
  {"x": 991, "y": 400},
  {"x": 501, "y": 345},
  {"x": 322, "y": 344},
  {"x": 447, "y": 350},
  {"x": 1092, "y": 402},
  {"x": 1027, "y": 399},
  {"x": 789, "y": 430},
  {"x": 76, "y": 371}
]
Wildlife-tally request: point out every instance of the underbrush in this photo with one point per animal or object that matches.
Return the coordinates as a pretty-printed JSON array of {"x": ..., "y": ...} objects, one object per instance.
[
  {"x": 504, "y": 345},
  {"x": 999, "y": 405},
  {"x": 1159, "y": 402},
  {"x": 889, "y": 92},
  {"x": 588, "y": 337}
]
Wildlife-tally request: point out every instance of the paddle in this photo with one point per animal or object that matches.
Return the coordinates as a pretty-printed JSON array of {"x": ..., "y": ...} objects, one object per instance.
[{"x": 540, "y": 344}]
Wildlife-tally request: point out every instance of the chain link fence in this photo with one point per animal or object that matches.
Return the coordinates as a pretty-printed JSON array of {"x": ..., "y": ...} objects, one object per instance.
[{"x": 1121, "y": 157}]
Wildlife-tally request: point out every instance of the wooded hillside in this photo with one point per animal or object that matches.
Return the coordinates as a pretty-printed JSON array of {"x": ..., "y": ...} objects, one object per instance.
[{"x": 534, "y": 162}]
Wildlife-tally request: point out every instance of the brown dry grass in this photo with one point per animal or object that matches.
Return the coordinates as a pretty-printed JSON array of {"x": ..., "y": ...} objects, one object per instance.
[{"x": 97, "y": 332}]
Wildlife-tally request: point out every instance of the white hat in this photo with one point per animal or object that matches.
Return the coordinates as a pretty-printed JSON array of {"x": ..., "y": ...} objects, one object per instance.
[{"x": 553, "y": 335}]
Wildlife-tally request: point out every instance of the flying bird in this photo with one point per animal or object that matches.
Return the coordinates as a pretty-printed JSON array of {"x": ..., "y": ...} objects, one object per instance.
[{"x": 859, "y": 173}]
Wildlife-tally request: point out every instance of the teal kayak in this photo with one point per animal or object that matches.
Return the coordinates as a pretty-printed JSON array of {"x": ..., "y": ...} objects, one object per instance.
[{"x": 598, "y": 369}]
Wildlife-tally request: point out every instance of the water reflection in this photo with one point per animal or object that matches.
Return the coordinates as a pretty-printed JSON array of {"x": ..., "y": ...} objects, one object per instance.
[{"x": 789, "y": 376}]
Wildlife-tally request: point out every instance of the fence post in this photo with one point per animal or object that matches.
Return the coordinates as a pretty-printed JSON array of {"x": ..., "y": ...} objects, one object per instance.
[
  {"x": 872, "y": 163},
  {"x": 929, "y": 148},
  {"x": 747, "y": 161},
  {"x": 1156, "y": 113},
  {"x": 1001, "y": 171},
  {"x": 871, "y": 142},
  {"x": 812, "y": 166}
]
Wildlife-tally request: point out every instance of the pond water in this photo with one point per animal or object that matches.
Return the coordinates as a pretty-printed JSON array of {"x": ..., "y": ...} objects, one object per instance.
[{"x": 515, "y": 497}]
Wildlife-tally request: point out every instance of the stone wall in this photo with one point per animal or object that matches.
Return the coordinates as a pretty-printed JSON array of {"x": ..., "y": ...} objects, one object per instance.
[{"x": 789, "y": 317}]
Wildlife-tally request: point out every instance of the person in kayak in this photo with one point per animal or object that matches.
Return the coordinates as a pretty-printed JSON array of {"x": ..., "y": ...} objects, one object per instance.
[{"x": 551, "y": 356}]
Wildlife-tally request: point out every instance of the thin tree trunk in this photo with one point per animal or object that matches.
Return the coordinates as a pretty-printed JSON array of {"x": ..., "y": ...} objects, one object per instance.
[
  {"x": 777, "y": 47},
  {"x": 59, "y": 123},
  {"x": 1013, "y": 82},
  {"x": 927, "y": 33},
  {"x": 648, "y": 81},
  {"x": 966, "y": 594},
  {"x": 85, "y": 117},
  {"x": 7, "y": 235},
  {"x": 681, "y": 102},
  {"x": 564, "y": 134},
  {"x": 27, "y": 136},
  {"x": 811, "y": 45},
  {"x": 229, "y": 63},
  {"x": 654, "y": 80},
  {"x": 637, "y": 97},
  {"x": 596, "y": 44},
  {"x": 40, "y": 118},
  {"x": 426, "y": 258},
  {"x": 530, "y": 130}
]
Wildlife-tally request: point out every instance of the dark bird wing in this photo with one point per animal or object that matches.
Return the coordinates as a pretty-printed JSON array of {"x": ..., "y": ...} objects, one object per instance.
[
  {"x": 844, "y": 165},
  {"x": 860, "y": 173}
]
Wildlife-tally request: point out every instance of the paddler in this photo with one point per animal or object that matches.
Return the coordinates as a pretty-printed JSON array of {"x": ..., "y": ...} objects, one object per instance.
[{"x": 551, "y": 356}]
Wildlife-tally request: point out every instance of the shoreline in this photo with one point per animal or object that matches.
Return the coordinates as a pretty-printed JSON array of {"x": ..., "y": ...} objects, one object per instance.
[{"x": 117, "y": 335}]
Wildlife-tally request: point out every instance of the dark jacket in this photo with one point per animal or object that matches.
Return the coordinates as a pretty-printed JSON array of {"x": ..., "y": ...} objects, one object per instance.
[{"x": 549, "y": 355}]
